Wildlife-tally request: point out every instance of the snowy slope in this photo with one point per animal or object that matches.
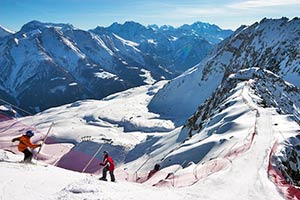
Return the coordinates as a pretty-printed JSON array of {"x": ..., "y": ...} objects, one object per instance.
[
  {"x": 240, "y": 139},
  {"x": 45, "y": 183},
  {"x": 229, "y": 137},
  {"x": 270, "y": 44},
  {"x": 123, "y": 115}
]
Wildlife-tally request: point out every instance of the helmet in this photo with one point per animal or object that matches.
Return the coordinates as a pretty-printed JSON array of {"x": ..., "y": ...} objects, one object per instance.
[
  {"x": 105, "y": 152},
  {"x": 29, "y": 133}
]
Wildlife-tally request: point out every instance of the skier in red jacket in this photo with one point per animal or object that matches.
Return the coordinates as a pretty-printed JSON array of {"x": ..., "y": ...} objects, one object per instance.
[{"x": 109, "y": 165}]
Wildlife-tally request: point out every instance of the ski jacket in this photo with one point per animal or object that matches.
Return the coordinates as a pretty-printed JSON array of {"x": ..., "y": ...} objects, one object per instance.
[
  {"x": 24, "y": 142},
  {"x": 108, "y": 162}
]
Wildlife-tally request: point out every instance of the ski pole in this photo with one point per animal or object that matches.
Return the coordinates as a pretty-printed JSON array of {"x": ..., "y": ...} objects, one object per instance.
[
  {"x": 92, "y": 158},
  {"x": 136, "y": 172},
  {"x": 44, "y": 140}
]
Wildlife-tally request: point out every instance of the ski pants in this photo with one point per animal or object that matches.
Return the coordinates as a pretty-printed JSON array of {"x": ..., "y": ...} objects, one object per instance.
[
  {"x": 111, "y": 173},
  {"x": 27, "y": 155}
]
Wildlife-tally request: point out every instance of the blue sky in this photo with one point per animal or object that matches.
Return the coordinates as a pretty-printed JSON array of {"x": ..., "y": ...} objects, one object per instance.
[{"x": 87, "y": 14}]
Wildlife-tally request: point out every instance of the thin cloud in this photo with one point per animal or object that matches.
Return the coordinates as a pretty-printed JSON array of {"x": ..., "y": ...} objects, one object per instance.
[{"x": 260, "y": 4}]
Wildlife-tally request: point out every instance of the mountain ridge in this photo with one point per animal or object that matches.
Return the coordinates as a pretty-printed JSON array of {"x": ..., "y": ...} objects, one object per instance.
[
  {"x": 248, "y": 47},
  {"x": 82, "y": 64}
]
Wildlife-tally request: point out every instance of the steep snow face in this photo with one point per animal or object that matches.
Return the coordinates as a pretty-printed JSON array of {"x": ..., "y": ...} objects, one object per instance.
[
  {"x": 270, "y": 44},
  {"x": 181, "y": 96}
]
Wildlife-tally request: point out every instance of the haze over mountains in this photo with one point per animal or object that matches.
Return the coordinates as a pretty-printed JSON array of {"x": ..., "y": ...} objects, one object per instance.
[{"x": 62, "y": 61}]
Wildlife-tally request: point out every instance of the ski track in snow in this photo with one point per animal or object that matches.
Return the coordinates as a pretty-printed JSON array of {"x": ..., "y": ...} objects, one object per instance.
[{"x": 246, "y": 176}]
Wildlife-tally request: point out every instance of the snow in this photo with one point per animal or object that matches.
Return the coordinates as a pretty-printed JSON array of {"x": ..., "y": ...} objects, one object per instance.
[
  {"x": 181, "y": 96},
  {"x": 23, "y": 53},
  {"x": 148, "y": 78},
  {"x": 151, "y": 41},
  {"x": 34, "y": 32},
  {"x": 58, "y": 78},
  {"x": 173, "y": 38},
  {"x": 61, "y": 49},
  {"x": 231, "y": 152},
  {"x": 270, "y": 42},
  {"x": 45, "y": 183},
  {"x": 73, "y": 47},
  {"x": 223, "y": 151},
  {"x": 102, "y": 44},
  {"x": 16, "y": 41},
  {"x": 105, "y": 75},
  {"x": 73, "y": 84},
  {"x": 127, "y": 42}
]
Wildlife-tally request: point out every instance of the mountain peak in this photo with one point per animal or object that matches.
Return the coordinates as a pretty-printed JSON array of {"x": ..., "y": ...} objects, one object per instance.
[
  {"x": 166, "y": 27},
  {"x": 153, "y": 27},
  {"x": 32, "y": 25},
  {"x": 126, "y": 25}
]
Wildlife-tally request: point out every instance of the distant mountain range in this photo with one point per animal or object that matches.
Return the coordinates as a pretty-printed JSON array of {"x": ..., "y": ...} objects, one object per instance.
[{"x": 47, "y": 64}]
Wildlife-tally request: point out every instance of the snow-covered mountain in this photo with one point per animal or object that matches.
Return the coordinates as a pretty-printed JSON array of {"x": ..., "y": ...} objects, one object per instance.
[
  {"x": 231, "y": 135},
  {"x": 271, "y": 44},
  {"x": 47, "y": 64},
  {"x": 176, "y": 48},
  {"x": 239, "y": 142},
  {"x": 136, "y": 32}
]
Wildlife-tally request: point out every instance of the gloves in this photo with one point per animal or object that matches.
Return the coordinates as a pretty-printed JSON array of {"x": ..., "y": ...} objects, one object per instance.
[
  {"x": 15, "y": 139},
  {"x": 101, "y": 164},
  {"x": 39, "y": 145}
]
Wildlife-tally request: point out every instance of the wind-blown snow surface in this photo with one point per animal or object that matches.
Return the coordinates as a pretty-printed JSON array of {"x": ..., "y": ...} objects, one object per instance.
[{"x": 227, "y": 158}]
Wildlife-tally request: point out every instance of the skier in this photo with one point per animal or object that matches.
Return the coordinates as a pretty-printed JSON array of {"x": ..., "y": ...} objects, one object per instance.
[
  {"x": 108, "y": 164},
  {"x": 24, "y": 143}
]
